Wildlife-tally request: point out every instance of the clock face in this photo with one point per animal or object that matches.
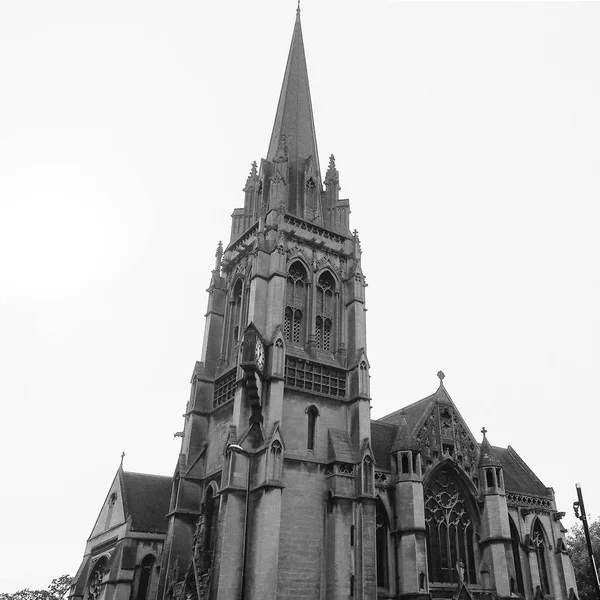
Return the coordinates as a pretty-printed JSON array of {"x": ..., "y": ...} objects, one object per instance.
[{"x": 259, "y": 354}]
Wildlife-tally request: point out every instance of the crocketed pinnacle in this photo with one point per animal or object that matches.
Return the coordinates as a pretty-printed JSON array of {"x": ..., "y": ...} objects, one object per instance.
[{"x": 294, "y": 120}]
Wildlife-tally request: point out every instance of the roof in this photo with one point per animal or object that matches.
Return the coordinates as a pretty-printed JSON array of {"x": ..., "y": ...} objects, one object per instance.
[
  {"x": 340, "y": 446},
  {"x": 389, "y": 432},
  {"x": 518, "y": 477},
  {"x": 382, "y": 437},
  {"x": 146, "y": 500}
]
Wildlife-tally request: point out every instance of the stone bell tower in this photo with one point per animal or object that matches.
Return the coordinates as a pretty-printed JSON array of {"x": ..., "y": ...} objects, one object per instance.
[{"x": 273, "y": 493}]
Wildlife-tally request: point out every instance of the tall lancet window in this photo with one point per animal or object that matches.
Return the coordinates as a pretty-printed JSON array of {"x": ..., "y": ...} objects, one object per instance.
[
  {"x": 539, "y": 544},
  {"x": 450, "y": 529},
  {"x": 295, "y": 301},
  {"x": 517, "y": 585},
  {"x": 381, "y": 543},
  {"x": 325, "y": 311},
  {"x": 235, "y": 311}
]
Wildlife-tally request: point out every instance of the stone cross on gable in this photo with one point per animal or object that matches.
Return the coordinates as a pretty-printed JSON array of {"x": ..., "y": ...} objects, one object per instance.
[{"x": 484, "y": 431}]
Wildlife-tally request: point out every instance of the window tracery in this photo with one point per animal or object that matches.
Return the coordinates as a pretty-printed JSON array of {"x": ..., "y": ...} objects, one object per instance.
[
  {"x": 450, "y": 530},
  {"x": 276, "y": 456},
  {"x": 295, "y": 299},
  {"x": 325, "y": 311},
  {"x": 96, "y": 579}
]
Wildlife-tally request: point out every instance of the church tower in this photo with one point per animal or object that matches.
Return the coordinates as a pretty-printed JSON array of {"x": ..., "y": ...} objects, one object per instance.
[{"x": 273, "y": 493}]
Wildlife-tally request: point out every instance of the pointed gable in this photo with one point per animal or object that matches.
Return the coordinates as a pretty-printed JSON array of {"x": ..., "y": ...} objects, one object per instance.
[{"x": 112, "y": 512}]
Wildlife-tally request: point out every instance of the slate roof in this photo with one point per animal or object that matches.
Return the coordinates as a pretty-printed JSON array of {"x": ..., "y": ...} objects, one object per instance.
[
  {"x": 518, "y": 477},
  {"x": 382, "y": 437},
  {"x": 146, "y": 500},
  {"x": 340, "y": 447}
]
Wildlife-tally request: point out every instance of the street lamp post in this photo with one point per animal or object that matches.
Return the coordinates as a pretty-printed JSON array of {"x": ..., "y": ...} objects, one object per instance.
[
  {"x": 239, "y": 450},
  {"x": 579, "y": 506}
]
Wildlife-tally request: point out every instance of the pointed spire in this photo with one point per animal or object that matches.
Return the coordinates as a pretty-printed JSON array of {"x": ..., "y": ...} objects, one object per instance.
[
  {"x": 487, "y": 457},
  {"x": 294, "y": 116},
  {"x": 404, "y": 440}
]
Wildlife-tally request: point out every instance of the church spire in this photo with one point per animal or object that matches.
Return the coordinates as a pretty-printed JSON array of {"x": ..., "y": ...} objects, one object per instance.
[{"x": 294, "y": 120}]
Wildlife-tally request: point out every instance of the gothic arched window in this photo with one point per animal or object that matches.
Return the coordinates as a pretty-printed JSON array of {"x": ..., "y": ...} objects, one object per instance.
[
  {"x": 276, "y": 453},
  {"x": 145, "y": 577},
  {"x": 450, "y": 530},
  {"x": 539, "y": 544},
  {"x": 96, "y": 578},
  {"x": 111, "y": 506},
  {"x": 381, "y": 544},
  {"x": 295, "y": 300},
  {"x": 235, "y": 311},
  {"x": 325, "y": 312},
  {"x": 211, "y": 520},
  {"x": 515, "y": 542},
  {"x": 312, "y": 413},
  {"x": 367, "y": 475}
]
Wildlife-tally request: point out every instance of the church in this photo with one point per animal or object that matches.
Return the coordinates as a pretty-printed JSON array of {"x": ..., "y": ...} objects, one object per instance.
[{"x": 284, "y": 486}]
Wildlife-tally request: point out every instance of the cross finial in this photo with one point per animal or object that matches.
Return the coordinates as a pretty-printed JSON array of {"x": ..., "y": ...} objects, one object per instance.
[
  {"x": 484, "y": 431},
  {"x": 441, "y": 375}
]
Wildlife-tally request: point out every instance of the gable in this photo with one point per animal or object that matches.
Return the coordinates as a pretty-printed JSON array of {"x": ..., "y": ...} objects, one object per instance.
[{"x": 112, "y": 512}]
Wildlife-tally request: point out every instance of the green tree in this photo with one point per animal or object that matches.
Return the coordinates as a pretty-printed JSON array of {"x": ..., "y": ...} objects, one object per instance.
[
  {"x": 57, "y": 590},
  {"x": 581, "y": 559}
]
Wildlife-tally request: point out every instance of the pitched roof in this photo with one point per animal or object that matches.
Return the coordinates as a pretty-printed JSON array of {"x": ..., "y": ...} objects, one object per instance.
[
  {"x": 146, "y": 500},
  {"x": 340, "y": 446},
  {"x": 382, "y": 437},
  {"x": 518, "y": 477}
]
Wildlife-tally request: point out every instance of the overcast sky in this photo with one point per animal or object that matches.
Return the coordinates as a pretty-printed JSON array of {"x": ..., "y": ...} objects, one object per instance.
[{"x": 467, "y": 139}]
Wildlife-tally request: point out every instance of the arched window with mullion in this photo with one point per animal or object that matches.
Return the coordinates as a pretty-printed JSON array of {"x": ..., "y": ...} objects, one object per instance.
[
  {"x": 295, "y": 304},
  {"x": 450, "y": 529},
  {"x": 325, "y": 312},
  {"x": 235, "y": 311},
  {"x": 539, "y": 543}
]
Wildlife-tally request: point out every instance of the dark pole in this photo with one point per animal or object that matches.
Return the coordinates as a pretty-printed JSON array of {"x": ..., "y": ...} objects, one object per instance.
[{"x": 580, "y": 505}]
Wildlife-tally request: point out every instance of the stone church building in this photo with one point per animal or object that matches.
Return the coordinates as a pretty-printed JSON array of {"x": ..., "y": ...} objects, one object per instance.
[{"x": 284, "y": 486}]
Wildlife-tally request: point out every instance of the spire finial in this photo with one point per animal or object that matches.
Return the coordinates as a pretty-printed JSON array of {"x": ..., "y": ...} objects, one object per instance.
[
  {"x": 122, "y": 457},
  {"x": 298, "y": 9},
  {"x": 441, "y": 376},
  {"x": 484, "y": 431}
]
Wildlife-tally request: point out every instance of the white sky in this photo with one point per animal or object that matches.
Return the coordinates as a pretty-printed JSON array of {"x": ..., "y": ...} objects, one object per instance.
[{"x": 466, "y": 136}]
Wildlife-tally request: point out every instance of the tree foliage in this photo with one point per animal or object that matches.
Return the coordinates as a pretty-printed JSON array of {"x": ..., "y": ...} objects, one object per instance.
[
  {"x": 581, "y": 559},
  {"x": 57, "y": 590}
]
